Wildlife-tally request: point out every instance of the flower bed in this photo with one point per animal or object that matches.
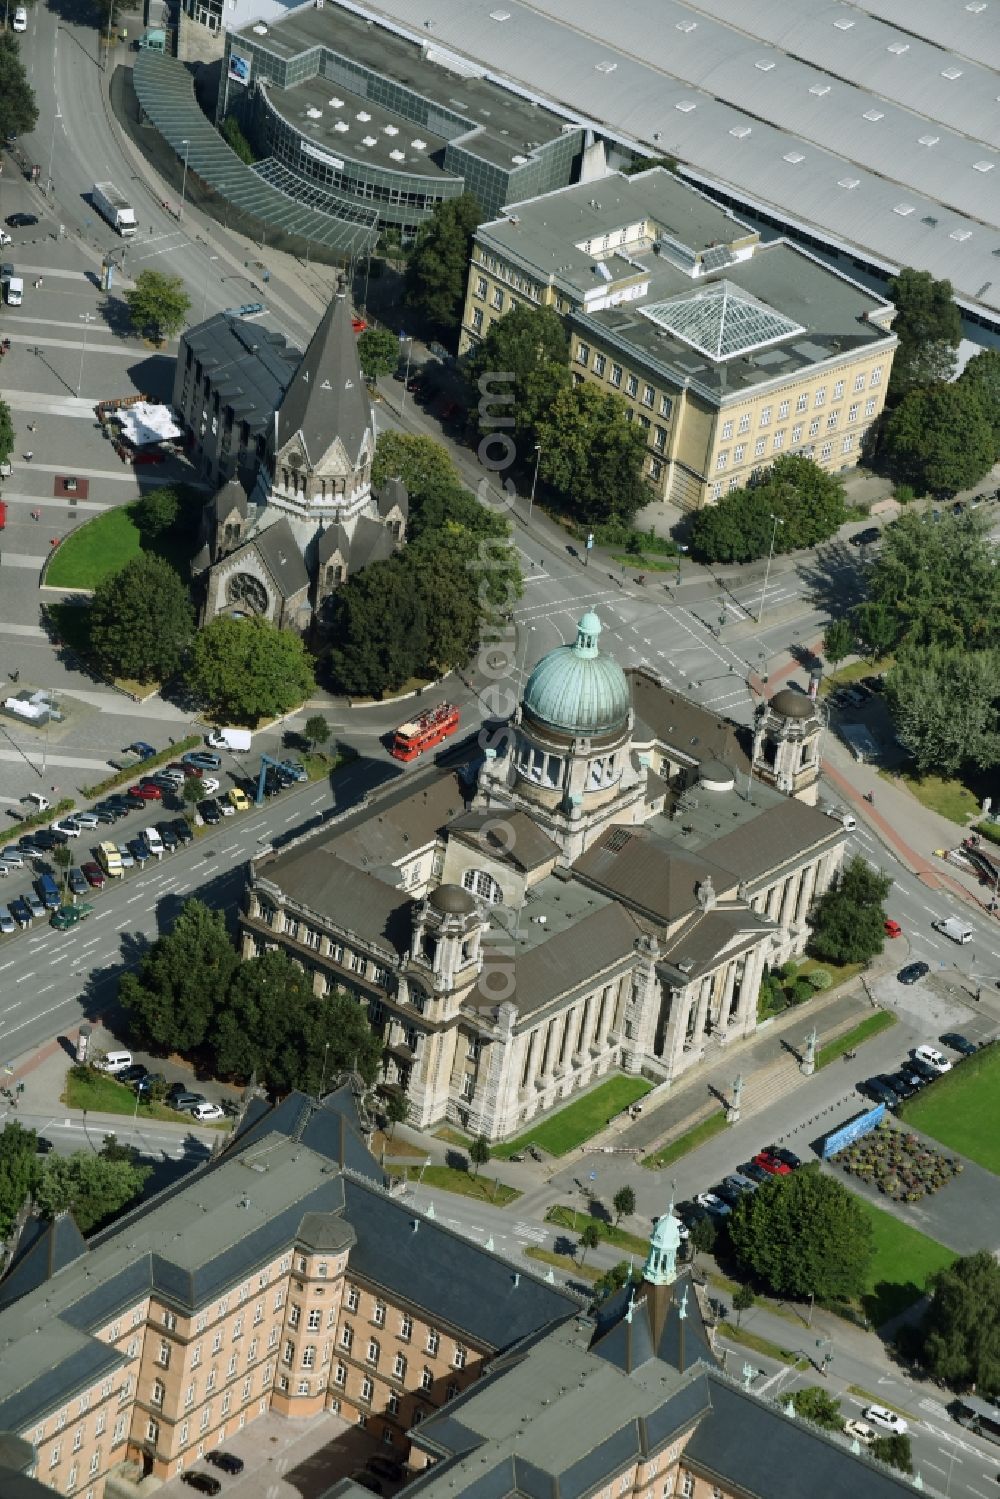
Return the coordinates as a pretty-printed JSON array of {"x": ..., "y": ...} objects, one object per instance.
[{"x": 900, "y": 1165}]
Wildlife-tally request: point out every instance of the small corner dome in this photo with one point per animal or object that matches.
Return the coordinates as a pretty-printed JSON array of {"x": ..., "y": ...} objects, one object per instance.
[
  {"x": 792, "y": 704},
  {"x": 452, "y": 900},
  {"x": 715, "y": 776},
  {"x": 575, "y": 690}
]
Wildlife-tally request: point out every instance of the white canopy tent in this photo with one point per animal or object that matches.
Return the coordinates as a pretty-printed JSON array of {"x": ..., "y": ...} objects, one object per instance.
[{"x": 144, "y": 423}]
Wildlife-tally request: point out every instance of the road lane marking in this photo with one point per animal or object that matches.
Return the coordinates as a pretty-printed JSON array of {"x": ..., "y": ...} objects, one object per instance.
[{"x": 24, "y": 977}]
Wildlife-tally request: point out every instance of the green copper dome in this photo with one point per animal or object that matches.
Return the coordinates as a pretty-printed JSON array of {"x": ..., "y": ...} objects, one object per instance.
[{"x": 576, "y": 690}]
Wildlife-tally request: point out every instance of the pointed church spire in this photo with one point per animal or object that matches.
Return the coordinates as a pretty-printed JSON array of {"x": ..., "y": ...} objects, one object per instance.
[{"x": 327, "y": 396}]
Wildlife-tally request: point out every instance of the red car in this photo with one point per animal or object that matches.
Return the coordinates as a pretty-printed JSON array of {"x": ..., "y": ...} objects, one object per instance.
[
  {"x": 893, "y": 928},
  {"x": 147, "y": 792},
  {"x": 94, "y": 875},
  {"x": 188, "y": 770},
  {"x": 772, "y": 1164}
]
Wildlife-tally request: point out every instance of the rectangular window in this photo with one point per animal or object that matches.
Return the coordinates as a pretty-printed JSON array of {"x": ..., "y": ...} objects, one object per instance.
[
  {"x": 648, "y": 396},
  {"x": 666, "y": 405},
  {"x": 498, "y": 299},
  {"x": 163, "y": 1355},
  {"x": 367, "y": 1388},
  {"x": 632, "y": 386},
  {"x": 848, "y": 443},
  {"x": 825, "y": 451},
  {"x": 739, "y": 452},
  {"x": 655, "y": 468},
  {"x": 294, "y": 1314},
  {"x": 353, "y": 1298},
  {"x": 876, "y": 376},
  {"x": 659, "y": 438},
  {"x": 346, "y": 1337},
  {"x": 616, "y": 376},
  {"x": 854, "y": 411},
  {"x": 870, "y": 405},
  {"x": 779, "y": 440},
  {"x": 820, "y": 396},
  {"x": 433, "y": 1340},
  {"x": 426, "y": 1379},
  {"x": 308, "y": 1356},
  {"x": 392, "y": 1404},
  {"x": 765, "y": 417},
  {"x": 831, "y": 421},
  {"x": 232, "y": 1365},
  {"x": 759, "y": 447},
  {"x": 644, "y": 422},
  {"x": 734, "y": 483},
  {"x": 744, "y": 425},
  {"x": 797, "y": 433},
  {"x": 722, "y": 460},
  {"x": 477, "y": 320},
  {"x": 315, "y": 1317},
  {"x": 460, "y": 1357},
  {"x": 802, "y": 402},
  {"x": 340, "y": 1375},
  {"x": 859, "y": 381},
  {"x": 481, "y": 287},
  {"x": 600, "y": 365},
  {"x": 782, "y": 411},
  {"x": 206, "y": 1417},
  {"x": 583, "y": 354},
  {"x": 716, "y": 491},
  {"x": 814, "y": 426},
  {"x": 727, "y": 431},
  {"x": 169, "y": 1320},
  {"x": 406, "y": 1327}
]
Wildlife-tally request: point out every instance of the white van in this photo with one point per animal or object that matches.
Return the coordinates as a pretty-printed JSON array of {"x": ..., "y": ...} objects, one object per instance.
[
  {"x": 115, "y": 1061},
  {"x": 847, "y": 820},
  {"x": 38, "y": 800},
  {"x": 14, "y": 289}
]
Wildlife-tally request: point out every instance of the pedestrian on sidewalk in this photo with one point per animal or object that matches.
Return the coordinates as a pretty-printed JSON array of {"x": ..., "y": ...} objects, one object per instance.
[{"x": 28, "y": 456}]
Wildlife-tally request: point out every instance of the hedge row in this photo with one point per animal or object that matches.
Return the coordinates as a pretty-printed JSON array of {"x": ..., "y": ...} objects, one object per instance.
[
  {"x": 36, "y": 820},
  {"x": 119, "y": 778}
]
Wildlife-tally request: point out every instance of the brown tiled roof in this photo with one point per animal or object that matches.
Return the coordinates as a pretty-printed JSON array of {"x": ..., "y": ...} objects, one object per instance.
[
  {"x": 695, "y": 731},
  {"x": 710, "y": 936},
  {"x": 778, "y": 834},
  {"x": 509, "y": 837},
  {"x": 577, "y": 956},
  {"x": 314, "y": 877},
  {"x": 635, "y": 866}
]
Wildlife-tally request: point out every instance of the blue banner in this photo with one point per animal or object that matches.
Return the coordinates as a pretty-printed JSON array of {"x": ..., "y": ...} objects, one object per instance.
[{"x": 853, "y": 1130}]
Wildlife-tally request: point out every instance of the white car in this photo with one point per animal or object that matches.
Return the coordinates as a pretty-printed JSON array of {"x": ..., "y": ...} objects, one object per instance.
[
  {"x": 204, "y": 1112},
  {"x": 86, "y": 819},
  {"x": 226, "y": 807},
  {"x": 209, "y": 785},
  {"x": 20, "y": 19},
  {"x": 713, "y": 1204},
  {"x": 5, "y": 238},
  {"x": 861, "y": 1431},
  {"x": 881, "y": 1415},
  {"x": 68, "y": 826},
  {"x": 932, "y": 1057}
]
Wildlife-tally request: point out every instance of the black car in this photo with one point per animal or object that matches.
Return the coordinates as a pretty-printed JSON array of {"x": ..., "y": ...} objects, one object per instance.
[
  {"x": 21, "y": 912},
  {"x": 226, "y": 1461},
  {"x": 47, "y": 839},
  {"x": 133, "y": 1074},
  {"x": 182, "y": 828},
  {"x": 880, "y": 1091},
  {"x": 727, "y": 1194},
  {"x": 754, "y": 1172},
  {"x": 903, "y": 1084},
  {"x": 203, "y": 1482},
  {"x": 912, "y": 972},
  {"x": 209, "y": 811},
  {"x": 147, "y": 1083},
  {"x": 140, "y": 850},
  {"x": 121, "y": 804},
  {"x": 167, "y": 835},
  {"x": 77, "y": 883},
  {"x": 106, "y": 814},
  {"x": 926, "y": 1073},
  {"x": 162, "y": 783},
  {"x": 788, "y": 1156},
  {"x": 960, "y": 1043},
  {"x": 21, "y": 220},
  {"x": 134, "y": 802},
  {"x": 866, "y": 537},
  {"x": 42, "y": 1145}
]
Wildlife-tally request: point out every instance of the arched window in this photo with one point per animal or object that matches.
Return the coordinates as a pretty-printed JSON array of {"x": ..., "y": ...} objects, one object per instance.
[{"x": 483, "y": 885}]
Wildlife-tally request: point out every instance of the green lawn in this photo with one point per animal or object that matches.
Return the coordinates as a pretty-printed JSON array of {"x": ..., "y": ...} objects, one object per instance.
[
  {"x": 448, "y": 1179},
  {"x": 98, "y": 1093},
  {"x": 576, "y": 1222},
  {"x": 872, "y": 1025},
  {"x": 962, "y": 1110},
  {"x": 95, "y": 550},
  {"x": 950, "y": 798},
  {"x": 565, "y": 1262},
  {"x": 580, "y": 1120},
  {"x": 713, "y": 1125},
  {"x": 758, "y": 1344},
  {"x": 903, "y": 1259}
]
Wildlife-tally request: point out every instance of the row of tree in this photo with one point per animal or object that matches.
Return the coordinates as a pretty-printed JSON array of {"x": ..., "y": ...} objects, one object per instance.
[
  {"x": 793, "y": 504},
  {"x": 93, "y": 1186},
  {"x": 256, "y": 1017},
  {"x": 423, "y": 611}
]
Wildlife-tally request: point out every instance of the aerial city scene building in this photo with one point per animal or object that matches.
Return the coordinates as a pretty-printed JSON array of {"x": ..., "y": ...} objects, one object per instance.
[{"x": 500, "y": 708}]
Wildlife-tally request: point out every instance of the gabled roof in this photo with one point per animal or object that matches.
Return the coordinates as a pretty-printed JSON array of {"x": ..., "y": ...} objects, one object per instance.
[
  {"x": 524, "y": 845},
  {"x": 573, "y": 957},
  {"x": 635, "y": 866},
  {"x": 44, "y": 1249},
  {"x": 371, "y": 542},
  {"x": 326, "y": 397},
  {"x": 317, "y": 879},
  {"x": 232, "y": 496},
  {"x": 393, "y": 495},
  {"x": 279, "y": 552}
]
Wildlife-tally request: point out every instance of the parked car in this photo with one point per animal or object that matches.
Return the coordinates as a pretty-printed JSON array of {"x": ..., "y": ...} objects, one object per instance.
[
  {"x": 209, "y": 812},
  {"x": 146, "y": 1084},
  {"x": 182, "y": 828},
  {"x": 125, "y": 854},
  {"x": 21, "y": 912},
  {"x": 879, "y": 1091},
  {"x": 227, "y": 1461},
  {"x": 147, "y": 790},
  {"x": 47, "y": 839},
  {"x": 185, "y": 1102},
  {"x": 35, "y": 906},
  {"x": 22, "y": 220},
  {"x": 881, "y": 1415},
  {"x": 861, "y": 1432},
  {"x": 866, "y": 537},
  {"x": 892, "y": 928},
  {"x": 93, "y": 874},
  {"x": 107, "y": 814},
  {"x": 169, "y": 837},
  {"x": 134, "y": 1074},
  {"x": 77, "y": 882},
  {"x": 64, "y": 918},
  {"x": 140, "y": 747},
  {"x": 754, "y": 1173},
  {"x": 781, "y": 1154},
  {"x": 133, "y": 801},
  {"x": 903, "y": 1084},
  {"x": 210, "y": 784},
  {"x": 20, "y": 23},
  {"x": 296, "y": 771},
  {"x": 932, "y": 1057},
  {"x": 67, "y": 825},
  {"x": 205, "y": 1113},
  {"x": 923, "y": 1070},
  {"x": 139, "y": 849},
  {"x": 86, "y": 819},
  {"x": 959, "y": 1043},
  {"x": 7, "y": 922},
  {"x": 713, "y": 1204},
  {"x": 238, "y": 799},
  {"x": 772, "y": 1163},
  {"x": 913, "y": 972},
  {"x": 203, "y": 1482},
  {"x": 203, "y": 759},
  {"x": 13, "y": 856}
]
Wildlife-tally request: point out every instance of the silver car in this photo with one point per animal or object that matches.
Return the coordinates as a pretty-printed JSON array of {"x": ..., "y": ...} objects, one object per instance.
[
  {"x": 127, "y": 860},
  {"x": 14, "y": 857},
  {"x": 7, "y": 922},
  {"x": 35, "y": 905}
]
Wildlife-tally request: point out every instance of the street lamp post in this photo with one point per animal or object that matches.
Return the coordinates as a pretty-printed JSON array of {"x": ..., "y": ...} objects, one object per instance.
[
  {"x": 52, "y": 149},
  {"x": 767, "y": 572},
  {"x": 534, "y": 479},
  {"x": 408, "y": 340},
  {"x": 86, "y": 319},
  {"x": 187, "y": 147}
]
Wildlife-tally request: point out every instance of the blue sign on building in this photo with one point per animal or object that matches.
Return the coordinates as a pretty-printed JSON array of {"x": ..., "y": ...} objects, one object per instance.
[{"x": 853, "y": 1130}]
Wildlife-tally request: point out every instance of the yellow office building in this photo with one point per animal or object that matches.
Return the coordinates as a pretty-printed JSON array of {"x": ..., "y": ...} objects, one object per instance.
[{"x": 728, "y": 350}]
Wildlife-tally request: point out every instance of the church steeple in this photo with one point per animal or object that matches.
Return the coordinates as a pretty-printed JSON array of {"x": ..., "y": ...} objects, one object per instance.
[
  {"x": 327, "y": 397},
  {"x": 660, "y": 1268}
]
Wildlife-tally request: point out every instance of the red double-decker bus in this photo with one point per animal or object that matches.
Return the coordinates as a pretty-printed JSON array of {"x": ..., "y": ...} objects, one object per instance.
[{"x": 424, "y": 731}]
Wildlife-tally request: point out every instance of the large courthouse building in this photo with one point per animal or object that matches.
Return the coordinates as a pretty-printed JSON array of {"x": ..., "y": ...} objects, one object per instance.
[
  {"x": 284, "y": 1278},
  {"x": 727, "y": 350},
  {"x": 603, "y": 894}
]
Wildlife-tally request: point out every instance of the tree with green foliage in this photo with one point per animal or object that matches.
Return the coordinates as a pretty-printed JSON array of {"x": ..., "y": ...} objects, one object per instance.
[
  {"x": 378, "y": 624},
  {"x": 938, "y": 581},
  {"x": 960, "y": 1344},
  {"x": 92, "y": 1187},
  {"x": 939, "y": 439},
  {"x": 516, "y": 373},
  {"x": 945, "y": 706},
  {"x": 447, "y": 593},
  {"x": 396, "y": 1107},
  {"x": 623, "y": 1203},
  {"x": 158, "y": 305},
  {"x": 592, "y": 455},
  {"x": 141, "y": 620},
  {"x": 704, "y": 1235},
  {"x": 236, "y": 140},
  {"x": 477, "y": 534},
  {"x": 438, "y": 266},
  {"x": 819, "y": 1407},
  {"x": 248, "y": 669},
  {"x": 740, "y": 527},
  {"x": 171, "y": 999},
  {"x": 982, "y": 376},
  {"x": 19, "y": 1168},
  {"x": 156, "y": 511},
  {"x": 479, "y": 1152},
  {"x": 62, "y": 857},
  {"x": 743, "y": 1300},
  {"x": 838, "y": 641},
  {"x": 612, "y": 1281},
  {"x": 929, "y": 329},
  {"x": 589, "y": 1239},
  {"x": 193, "y": 791},
  {"x": 317, "y": 731},
  {"x": 425, "y": 466},
  {"x": 875, "y": 628},
  {"x": 7, "y": 436},
  {"x": 18, "y": 110},
  {"x": 848, "y": 919},
  {"x": 804, "y": 1235},
  {"x": 378, "y": 352},
  {"x": 894, "y": 1450}
]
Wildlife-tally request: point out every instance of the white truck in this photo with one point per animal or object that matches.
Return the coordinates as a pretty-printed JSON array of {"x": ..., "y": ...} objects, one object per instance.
[
  {"x": 13, "y": 290},
  {"x": 115, "y": 207},
  {"x": 230, "y": 739},
  {"x": 953, "y": 927}
]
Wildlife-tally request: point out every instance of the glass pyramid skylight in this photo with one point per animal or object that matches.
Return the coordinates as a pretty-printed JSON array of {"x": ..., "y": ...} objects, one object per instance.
[{"x": 721, "y": 321}]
